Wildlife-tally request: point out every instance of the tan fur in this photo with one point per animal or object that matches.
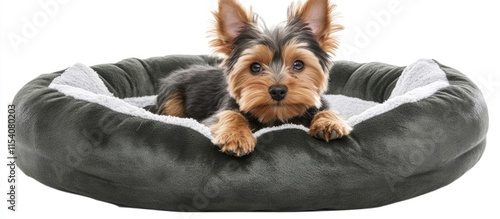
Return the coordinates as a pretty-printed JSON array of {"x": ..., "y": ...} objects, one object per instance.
[
  {"x": 313, "y": 74},
  {"x": 241, "y": 75},
  {"x": 174, "y": 106},
  {"x": 304, "y": 87},
  {"x": 233, "y": 133},
  {"x": 329, "y": 122}
]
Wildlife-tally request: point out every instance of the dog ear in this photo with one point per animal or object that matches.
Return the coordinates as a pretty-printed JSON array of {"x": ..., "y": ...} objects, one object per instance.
[
  {"x": 318, "y": 16},
  {"x": 230, "y": 20}
]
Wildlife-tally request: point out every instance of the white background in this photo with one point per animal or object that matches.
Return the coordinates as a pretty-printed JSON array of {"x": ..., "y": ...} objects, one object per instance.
[{"x": 461, "y": 34}]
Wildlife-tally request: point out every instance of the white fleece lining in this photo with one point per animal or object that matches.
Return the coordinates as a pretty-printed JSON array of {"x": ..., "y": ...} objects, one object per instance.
[
  {"x": 141, "y": 101},
  {"x": 81, "y": 76},
  {"x": 418, "y": 81}
]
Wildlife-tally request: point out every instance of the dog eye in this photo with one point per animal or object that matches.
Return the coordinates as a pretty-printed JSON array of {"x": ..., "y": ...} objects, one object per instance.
[
  {"x": 255, "y": 68},
  {"x": 298, "y": 65}
]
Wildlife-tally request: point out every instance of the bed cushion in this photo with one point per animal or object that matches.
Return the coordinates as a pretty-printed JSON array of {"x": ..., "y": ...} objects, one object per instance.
[{"x": 84, "y": 130}]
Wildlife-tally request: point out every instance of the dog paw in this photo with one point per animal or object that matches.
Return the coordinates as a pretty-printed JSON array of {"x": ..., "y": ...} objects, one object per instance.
[
  {"x": 235, "y": 143},
  {"x": 327, "y": 126},
  {"x": 232, "y": 134}
]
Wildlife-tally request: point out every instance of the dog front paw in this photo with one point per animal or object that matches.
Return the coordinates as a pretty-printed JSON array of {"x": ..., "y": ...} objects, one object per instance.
[
  {"x": 327, "y": 126},
  {"x": 235, "y": 143},
  {"x": 232, "y": 134}
]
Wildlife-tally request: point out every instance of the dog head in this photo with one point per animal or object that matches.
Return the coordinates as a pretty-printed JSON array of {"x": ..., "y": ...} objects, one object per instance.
[{"x": 278, "y": 73}]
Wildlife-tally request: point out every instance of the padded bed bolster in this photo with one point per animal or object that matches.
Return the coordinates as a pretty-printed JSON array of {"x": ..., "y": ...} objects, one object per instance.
[{"x": 416, "y": 129}]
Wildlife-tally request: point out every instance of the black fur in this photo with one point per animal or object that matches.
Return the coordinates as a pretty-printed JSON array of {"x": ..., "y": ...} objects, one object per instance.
[
  {"x": 203, "y": 88},
  {"x": 295, "y": 31}
]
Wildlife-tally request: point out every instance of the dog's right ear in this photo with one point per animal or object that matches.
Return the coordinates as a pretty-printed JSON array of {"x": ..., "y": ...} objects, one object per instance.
[{"x": 230, "y": 20}]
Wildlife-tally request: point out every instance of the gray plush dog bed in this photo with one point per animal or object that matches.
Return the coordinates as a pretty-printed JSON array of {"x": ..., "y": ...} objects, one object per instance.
[{"x": 84, "y": 130}]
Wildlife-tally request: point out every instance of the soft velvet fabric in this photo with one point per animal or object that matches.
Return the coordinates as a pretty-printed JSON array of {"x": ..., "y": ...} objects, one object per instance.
[{"x": 88, "y": 149}]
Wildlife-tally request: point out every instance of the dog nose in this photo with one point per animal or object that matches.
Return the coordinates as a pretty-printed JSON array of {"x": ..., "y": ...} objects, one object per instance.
[{"x": 278, "y": 92}]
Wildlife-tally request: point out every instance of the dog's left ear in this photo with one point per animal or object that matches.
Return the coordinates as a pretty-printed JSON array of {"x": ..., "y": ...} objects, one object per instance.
[{"x": 318, "y": 15}]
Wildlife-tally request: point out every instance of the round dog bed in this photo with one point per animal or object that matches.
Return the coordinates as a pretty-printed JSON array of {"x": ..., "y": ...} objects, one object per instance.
[{"x": 84, "y": 130}]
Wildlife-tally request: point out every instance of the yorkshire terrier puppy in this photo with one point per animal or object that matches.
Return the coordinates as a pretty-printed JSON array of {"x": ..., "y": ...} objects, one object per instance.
[{"x": 267, "y": 77}]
